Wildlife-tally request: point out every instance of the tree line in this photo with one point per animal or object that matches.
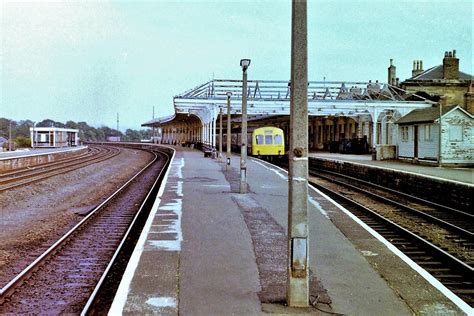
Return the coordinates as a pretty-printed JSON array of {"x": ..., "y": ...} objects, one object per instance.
[{"x": 20, "y": 131}]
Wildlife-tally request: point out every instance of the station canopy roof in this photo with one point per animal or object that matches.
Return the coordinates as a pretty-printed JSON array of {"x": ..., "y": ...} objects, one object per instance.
[
  {"x": 175, "y": 118},
  {"x": 270, "y": 98}
]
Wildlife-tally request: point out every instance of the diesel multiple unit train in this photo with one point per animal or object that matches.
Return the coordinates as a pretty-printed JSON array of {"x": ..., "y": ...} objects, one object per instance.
[{"x": 266, "y": 142}]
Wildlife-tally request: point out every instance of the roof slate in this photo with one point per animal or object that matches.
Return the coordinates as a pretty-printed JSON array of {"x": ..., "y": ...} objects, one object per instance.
[
  {"x": 424, "y": 115},
  {"x": 436, "y": 73}
]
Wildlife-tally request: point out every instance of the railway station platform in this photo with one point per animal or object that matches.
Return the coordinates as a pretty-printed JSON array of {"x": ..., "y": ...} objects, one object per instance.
[
  {"x": 37, "y": 151},
  {"x": 33, "y": 156},
  {"x": 208, "y": 250},
  {"x": 458, "y": 174}
]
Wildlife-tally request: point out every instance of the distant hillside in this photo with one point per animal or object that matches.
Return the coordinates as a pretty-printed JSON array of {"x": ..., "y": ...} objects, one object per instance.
[{"x": 21, "y": 130}]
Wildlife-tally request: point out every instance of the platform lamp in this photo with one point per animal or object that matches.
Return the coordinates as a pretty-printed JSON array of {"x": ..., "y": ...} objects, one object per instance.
[
  {"x": 228, "y": 94},
  {"x": 34, "y": 136},
  {"x": 244, "y": 63}
]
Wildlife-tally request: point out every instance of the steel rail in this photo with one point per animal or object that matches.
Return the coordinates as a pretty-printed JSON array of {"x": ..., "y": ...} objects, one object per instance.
[
  {"x": 97, "y": 288},
  {"x": 404, "y": 207},
  {"x": 44, "y": 174},
  {"x": 462, "y": 286},
  {"x": 447, "y": 257},
  {"x": 10, "y": 288},
  {"x": 406, "y": 195},
  {"x": 44, "y": 168},
  {"x": 11, "y": 173}
]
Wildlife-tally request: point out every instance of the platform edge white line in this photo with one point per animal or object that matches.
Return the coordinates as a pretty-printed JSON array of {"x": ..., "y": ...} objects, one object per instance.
[
  {"x": 428, "y": 277},
  {"x": 120, "y": 298}
]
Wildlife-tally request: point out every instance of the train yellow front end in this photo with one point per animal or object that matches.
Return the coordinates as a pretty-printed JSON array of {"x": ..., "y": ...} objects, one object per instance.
[{"x": 268, "y": 141}]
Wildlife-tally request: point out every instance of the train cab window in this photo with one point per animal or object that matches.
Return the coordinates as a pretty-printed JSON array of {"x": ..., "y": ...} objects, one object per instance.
[
  {"x": 277, "y": 140},
  {"x": 268, "y": 139},
  {"x": 259, "y": 139}
]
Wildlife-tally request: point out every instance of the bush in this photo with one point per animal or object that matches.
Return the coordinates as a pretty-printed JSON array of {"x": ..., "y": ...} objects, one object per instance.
[
  {"x": 22, "y": 142},
  {"x": 5, "y": 146}
]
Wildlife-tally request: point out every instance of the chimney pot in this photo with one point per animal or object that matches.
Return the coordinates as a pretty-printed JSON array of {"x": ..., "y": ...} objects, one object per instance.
[
  {"x": 421, "y": 65},
  {"x": 446, "y": 54},
  {"x": 454, "y": 53},
  {"x": 391, "y": 61},
  {"x": 414, "y": 65}
]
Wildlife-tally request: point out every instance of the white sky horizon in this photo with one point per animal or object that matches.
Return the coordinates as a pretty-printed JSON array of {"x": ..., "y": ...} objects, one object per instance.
[{"x": 86, "y": 61}]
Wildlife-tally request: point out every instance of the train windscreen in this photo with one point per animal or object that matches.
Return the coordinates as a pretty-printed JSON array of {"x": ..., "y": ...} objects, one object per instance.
[{"x": 268, "y": 139}]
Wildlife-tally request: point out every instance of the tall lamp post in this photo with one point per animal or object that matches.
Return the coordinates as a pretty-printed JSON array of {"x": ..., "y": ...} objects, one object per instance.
[
  {"x": 220, "y": 134},
  {"x": 10, "y": 137},
  {"x": 244, "y": 63},
  {"x": 34, "y": 137},
  {"x": 229, "y": 94}
]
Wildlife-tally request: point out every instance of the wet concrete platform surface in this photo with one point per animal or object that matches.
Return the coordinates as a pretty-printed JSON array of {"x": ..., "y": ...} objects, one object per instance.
[{"x": 208, "y": 250}]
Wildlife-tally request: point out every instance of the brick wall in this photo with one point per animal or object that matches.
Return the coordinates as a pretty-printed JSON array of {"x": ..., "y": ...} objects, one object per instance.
[{"x": 454, "y": 93}]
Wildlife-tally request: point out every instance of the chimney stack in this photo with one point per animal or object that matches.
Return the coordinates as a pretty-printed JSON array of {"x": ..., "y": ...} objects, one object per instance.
[
  {"x": 450, "y": 65},
  {"x": 417, "y": 68},
  {"x": 392, "y": 70}
]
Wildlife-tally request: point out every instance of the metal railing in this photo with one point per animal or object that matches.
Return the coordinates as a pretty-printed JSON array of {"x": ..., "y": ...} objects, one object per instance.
[{"x": 317, "y": 90}]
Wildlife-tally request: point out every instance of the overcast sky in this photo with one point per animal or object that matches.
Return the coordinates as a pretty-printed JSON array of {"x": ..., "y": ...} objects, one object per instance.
[{"x": 88, "y": 60}]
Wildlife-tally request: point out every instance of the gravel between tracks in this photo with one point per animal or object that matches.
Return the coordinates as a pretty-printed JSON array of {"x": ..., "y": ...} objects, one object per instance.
[{"x": 35, "y": 216}]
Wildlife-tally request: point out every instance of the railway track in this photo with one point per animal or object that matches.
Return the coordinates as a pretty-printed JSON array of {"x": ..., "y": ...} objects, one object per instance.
[
  {"x": 63, "y": 278},
  {"x": 459, "y": 224},
  {"x": 437, "y": 238},
  {"x": 90, "y": 151},
  {"x": 24, "y": 176}
]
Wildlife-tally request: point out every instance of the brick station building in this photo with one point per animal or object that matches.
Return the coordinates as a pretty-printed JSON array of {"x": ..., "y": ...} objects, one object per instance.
[{"x": 443, "y": 83}]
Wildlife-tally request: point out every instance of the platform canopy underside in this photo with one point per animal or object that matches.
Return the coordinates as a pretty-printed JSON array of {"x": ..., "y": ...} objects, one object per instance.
[{"x": 173, "y": 119}]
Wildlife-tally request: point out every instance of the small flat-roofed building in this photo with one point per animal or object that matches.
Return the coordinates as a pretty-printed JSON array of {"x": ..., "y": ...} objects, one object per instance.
[
  {"x": 113, "y": 138},
  {"x": 53, "y": 137},
  {"x": 419, "y": 137}
]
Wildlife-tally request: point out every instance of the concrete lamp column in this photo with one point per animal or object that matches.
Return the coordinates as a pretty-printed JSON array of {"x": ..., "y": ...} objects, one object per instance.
[
  {"x": 220, "y": 134},
  {"x": 298, "y": 243},
  {"x": 244, "y": 63},
  {"x": 228, "y": 147}
]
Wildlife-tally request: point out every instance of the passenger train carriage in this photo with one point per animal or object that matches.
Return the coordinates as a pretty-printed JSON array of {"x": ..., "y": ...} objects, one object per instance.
[
  {"x": 264, "y": 142},
  {"x": 268, "y": 141}
]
